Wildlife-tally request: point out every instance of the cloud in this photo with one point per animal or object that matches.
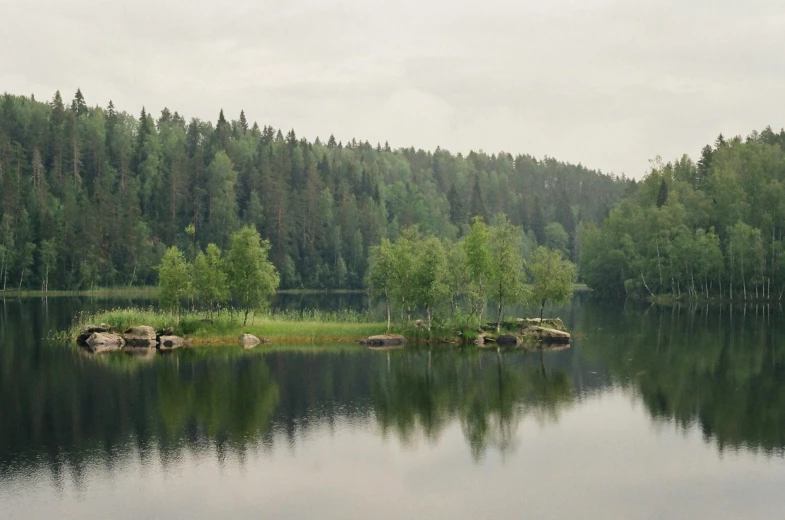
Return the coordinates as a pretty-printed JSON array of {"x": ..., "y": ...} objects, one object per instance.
[{"x": 609, "y": 83}]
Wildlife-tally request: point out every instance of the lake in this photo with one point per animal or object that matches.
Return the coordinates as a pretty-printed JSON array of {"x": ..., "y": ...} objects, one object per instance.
[{"x": 654, "y": 412}]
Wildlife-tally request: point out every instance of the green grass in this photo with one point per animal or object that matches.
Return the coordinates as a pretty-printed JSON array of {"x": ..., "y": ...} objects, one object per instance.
[
  {"x": 224, "y": 328},
  {"x": 289, "y": 327}
]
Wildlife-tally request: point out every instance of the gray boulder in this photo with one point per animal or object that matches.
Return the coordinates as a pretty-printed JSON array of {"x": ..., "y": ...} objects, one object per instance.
[
  {"x": 545, "y": 335},
  {"x": 141, "y": 336},
  {"x": 89, "y": 330},
  {"x": 104, "y": 342},
  {"x": 551, "y": 323},
  {"x": 250, "y": 341},
  {"x": 168, "y": 331},
  {"x": 171, "y": 342}
]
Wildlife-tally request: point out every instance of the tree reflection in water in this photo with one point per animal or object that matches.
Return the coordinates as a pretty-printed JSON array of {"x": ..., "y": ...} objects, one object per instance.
[
  {"x": 719, "y": 369},
  {"x": 488, "y": 392}
]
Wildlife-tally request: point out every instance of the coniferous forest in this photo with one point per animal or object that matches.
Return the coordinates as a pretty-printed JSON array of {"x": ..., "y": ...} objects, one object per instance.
[{"x": 93, "y": 196}]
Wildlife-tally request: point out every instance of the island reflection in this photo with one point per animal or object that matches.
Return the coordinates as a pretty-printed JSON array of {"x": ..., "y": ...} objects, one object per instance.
[{"x": 718, "y": 369}]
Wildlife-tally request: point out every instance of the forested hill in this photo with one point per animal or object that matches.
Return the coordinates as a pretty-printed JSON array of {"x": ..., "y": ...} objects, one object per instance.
[
  {"x": 698, "y": 230},
  {"x": 92, "y": 196}
]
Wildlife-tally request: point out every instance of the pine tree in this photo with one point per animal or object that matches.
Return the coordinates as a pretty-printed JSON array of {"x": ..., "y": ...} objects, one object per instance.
[
  {"x": 78, "y": 106},
  {"x": 243, "y": 122},
  {"x": 704, "y": 165},
  {"x": 477, "y": 203},
  {"x": 538, "y": 221},
  {"x": 221, "y": 133},
  {"x": 456, "y": 206}
]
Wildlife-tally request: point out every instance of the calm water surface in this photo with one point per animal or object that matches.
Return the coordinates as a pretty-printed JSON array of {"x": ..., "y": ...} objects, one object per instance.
[{"x": 653, "y": 413}]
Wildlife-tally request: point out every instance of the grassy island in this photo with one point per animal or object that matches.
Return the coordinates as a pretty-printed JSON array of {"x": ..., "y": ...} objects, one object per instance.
[
  {"x": 310, "y": 327},
  {"x": 225, "y": 327},
  {"x": 414, "y": 274}
]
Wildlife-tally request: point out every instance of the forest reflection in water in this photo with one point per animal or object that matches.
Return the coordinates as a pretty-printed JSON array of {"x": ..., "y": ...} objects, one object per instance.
[{"x": 718, "y": 369}]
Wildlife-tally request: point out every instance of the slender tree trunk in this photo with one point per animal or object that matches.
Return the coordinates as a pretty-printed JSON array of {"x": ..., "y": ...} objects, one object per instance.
[
  {"x": 481, "y": 307},
  {"x": 387, "y": 304},
  {"x": 499, "y": 315},
  {"x": 542, "y": 309},
  {"x": 643, "y": 279}
]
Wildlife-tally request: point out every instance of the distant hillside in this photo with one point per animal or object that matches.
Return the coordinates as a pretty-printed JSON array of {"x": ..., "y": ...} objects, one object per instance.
[{"x": 92, "y": 196}]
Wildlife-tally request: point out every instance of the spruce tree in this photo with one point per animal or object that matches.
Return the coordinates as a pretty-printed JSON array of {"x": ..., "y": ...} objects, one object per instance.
[
  {"x": 78, "y": 105},
  {"x": 477, "y": 208},
  {"x": 456, "y": 206}
]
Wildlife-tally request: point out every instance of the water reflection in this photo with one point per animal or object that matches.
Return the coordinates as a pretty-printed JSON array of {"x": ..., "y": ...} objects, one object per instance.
[
  {"x": 488, "y": 392},
  {"x": 718, "y": 369},
  {"x": 721, "y": 368}
]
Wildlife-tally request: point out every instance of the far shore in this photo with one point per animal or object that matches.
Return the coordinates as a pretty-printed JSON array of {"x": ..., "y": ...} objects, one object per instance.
[{"x": 152, "y": 292}]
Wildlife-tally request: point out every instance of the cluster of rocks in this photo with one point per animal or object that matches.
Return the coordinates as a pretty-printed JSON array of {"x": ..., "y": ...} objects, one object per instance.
[
  {"x": 141, "y": 340},
  {"x": 530, "y": 332},
  {"x": 136, "y": 340},
  {"x": 534, "y": 334}
]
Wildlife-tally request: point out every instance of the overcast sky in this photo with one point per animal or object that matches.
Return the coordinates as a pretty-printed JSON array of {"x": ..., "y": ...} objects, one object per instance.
[{"x": 607, "y": 83}]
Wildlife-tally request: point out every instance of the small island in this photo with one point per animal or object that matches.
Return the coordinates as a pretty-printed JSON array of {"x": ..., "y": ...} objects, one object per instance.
[{"x": 220, "y": 298}]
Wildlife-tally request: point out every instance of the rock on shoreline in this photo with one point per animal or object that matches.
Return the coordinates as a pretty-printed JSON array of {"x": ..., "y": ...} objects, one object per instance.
[{"x": 104, "y": 342}]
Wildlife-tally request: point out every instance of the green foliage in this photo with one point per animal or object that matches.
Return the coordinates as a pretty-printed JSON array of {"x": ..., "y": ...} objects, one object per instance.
[
  {"x": 556, "y": 237},
  {"x": 252, "y": 277},
  {"x": 420, "y": 272},
  {"x": 506, "y": 279},
  {"x": 174, "y": 280},
  {"x": 478, "y": 262},
  {"x": 708, "y": 230},
  {"x": 431, "y": 287},
  {"x": 210, "y": 281},
  {"x": 553, "y": 277},
  {"x": 381, "y": 273}
]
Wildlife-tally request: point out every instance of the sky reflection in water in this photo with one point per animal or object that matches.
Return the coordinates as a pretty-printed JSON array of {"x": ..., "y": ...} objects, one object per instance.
[{"x": 654, "y": 413}]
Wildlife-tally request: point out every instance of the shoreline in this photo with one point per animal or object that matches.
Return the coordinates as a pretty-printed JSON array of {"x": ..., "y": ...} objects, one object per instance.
[
  {"x": 152, "y": 292},
  {"x": 144, "y": 291}
]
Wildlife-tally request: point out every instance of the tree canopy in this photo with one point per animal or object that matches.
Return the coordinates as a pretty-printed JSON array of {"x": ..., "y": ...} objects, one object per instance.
[
  {"x": 175, "y": 281},
  {"x": 252, "y": 277},
  {"x": 553, "y": 278},
  {"x": 708, "y": 230}
]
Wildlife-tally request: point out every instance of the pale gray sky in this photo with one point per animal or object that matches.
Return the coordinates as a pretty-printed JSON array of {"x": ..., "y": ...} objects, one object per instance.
[{"x": 608, "y": 83}]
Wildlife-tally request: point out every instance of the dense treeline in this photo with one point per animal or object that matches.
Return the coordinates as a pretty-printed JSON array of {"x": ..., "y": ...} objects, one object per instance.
[
  {"x": 93, "y": 196},
  {"x": 698, "y": 230}
]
